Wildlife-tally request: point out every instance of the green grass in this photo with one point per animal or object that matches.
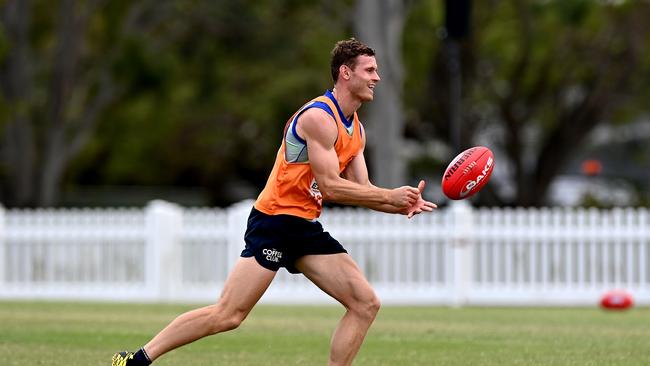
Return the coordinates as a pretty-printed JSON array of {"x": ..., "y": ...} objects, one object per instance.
[{"x": 46, "y": 333}]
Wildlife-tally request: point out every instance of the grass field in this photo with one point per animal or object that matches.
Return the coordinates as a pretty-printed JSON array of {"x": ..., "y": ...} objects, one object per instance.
[{"x": 83, "y": 334}]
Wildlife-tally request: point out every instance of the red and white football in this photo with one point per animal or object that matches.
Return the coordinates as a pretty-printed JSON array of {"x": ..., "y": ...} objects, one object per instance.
[
  {"x": 616, "y": 300},
  {"x": 468, "y": 173}
]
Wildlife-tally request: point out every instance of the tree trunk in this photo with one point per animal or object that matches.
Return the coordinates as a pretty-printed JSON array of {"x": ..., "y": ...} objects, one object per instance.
[
  {"x": 18, "y": 152},
  {"x": 380, "y": 24},
  {"x": 34, "y": 171},
  {"x": 70, "y": 35}
]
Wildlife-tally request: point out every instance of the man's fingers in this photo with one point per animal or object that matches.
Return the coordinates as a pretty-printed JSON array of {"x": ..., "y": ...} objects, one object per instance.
[
  {"x": 414, "y": 212},
  {"x": 430, "y": 204},
  {"x": 421, "y": 186},
  {"x": 422, "y": 206},
  {"x": 413, "y": 197},
  {"x": 416, "y": 205}
]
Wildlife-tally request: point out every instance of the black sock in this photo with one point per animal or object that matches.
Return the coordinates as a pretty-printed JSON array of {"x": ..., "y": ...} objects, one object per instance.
[{"x": 141, "y": 358}]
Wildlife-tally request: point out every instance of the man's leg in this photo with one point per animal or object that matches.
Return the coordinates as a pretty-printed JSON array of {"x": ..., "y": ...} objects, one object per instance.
[
  {"x": 245, "y": 285},
  {"x": 340, "y": 277}
]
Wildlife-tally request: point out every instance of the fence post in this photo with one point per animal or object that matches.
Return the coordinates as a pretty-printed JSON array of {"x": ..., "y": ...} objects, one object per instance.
[
  {"x": 163, "y": 249},
  {"x": 237, "y": 219},
  {"x": 461, "y": 238},
  {"x": 3, "y": 248}
]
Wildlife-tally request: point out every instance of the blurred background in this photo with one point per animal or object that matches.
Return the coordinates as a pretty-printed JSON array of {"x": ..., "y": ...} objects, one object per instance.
[{"x": 115, "y": 103}]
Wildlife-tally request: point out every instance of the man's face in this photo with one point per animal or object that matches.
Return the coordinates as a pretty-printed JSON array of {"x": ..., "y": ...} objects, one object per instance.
[{"x": 364, "y": 78}]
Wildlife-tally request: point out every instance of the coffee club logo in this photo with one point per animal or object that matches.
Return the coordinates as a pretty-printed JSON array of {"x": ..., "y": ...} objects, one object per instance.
[{"x": 272, "y": 255}]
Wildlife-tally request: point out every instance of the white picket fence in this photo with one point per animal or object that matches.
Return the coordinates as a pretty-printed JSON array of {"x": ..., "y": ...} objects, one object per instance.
[{"x": 455, "y": 256}]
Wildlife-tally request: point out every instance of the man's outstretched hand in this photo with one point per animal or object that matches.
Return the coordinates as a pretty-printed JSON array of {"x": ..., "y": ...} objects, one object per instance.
[{"x": 420, "y": 205}]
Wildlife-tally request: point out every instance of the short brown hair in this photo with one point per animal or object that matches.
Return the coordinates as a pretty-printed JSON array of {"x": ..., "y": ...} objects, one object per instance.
[{"x": 345, "y": 53}]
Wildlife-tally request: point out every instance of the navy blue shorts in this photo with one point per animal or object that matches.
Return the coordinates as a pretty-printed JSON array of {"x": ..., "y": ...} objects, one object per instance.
[{"x": 279, "y": 240}]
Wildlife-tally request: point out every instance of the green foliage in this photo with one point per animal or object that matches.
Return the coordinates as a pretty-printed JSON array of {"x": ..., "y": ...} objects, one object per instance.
[
  {"x": 538, "y": 76},
  {"x": 208, "y": 97},
  {"x": 421, "y": 43},
  {"x": 206, "y": 86}
]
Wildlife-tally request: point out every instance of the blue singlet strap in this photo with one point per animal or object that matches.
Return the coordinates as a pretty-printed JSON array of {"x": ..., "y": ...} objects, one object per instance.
[
  {"x": 346, "y": 122},
  {"x": 320, "y": 105}
]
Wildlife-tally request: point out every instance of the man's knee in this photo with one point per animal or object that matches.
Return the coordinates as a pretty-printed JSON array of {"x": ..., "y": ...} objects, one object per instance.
[
  {"x": 366, "y": 307},
  {"x": 373, "y": 305},
  {"x": 233, "y": 321},
  {"x": 223, "y": 319}
]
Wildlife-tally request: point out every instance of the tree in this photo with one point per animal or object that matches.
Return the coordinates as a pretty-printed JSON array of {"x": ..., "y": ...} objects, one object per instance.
[
  {"x": 56, "y": 78},
  {"x": 204, "y": 112},
  {"x": 380, "y": 25},
  {"x": 539, "y": 77}
]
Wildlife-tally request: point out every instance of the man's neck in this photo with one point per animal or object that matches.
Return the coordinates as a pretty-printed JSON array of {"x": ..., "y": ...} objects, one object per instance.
[{"x": 346, "y": 101}]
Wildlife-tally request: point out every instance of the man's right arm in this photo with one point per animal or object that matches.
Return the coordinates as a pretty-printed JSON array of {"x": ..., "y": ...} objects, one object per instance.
[{"x": 320, "y": 133}]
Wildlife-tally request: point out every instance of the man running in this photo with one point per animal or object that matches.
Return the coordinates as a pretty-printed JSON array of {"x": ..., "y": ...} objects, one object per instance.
[{"x": 320, "y": 159}]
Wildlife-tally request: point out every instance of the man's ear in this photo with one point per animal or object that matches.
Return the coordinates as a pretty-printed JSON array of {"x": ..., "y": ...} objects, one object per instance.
[{"x": 345, "y": 72}]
